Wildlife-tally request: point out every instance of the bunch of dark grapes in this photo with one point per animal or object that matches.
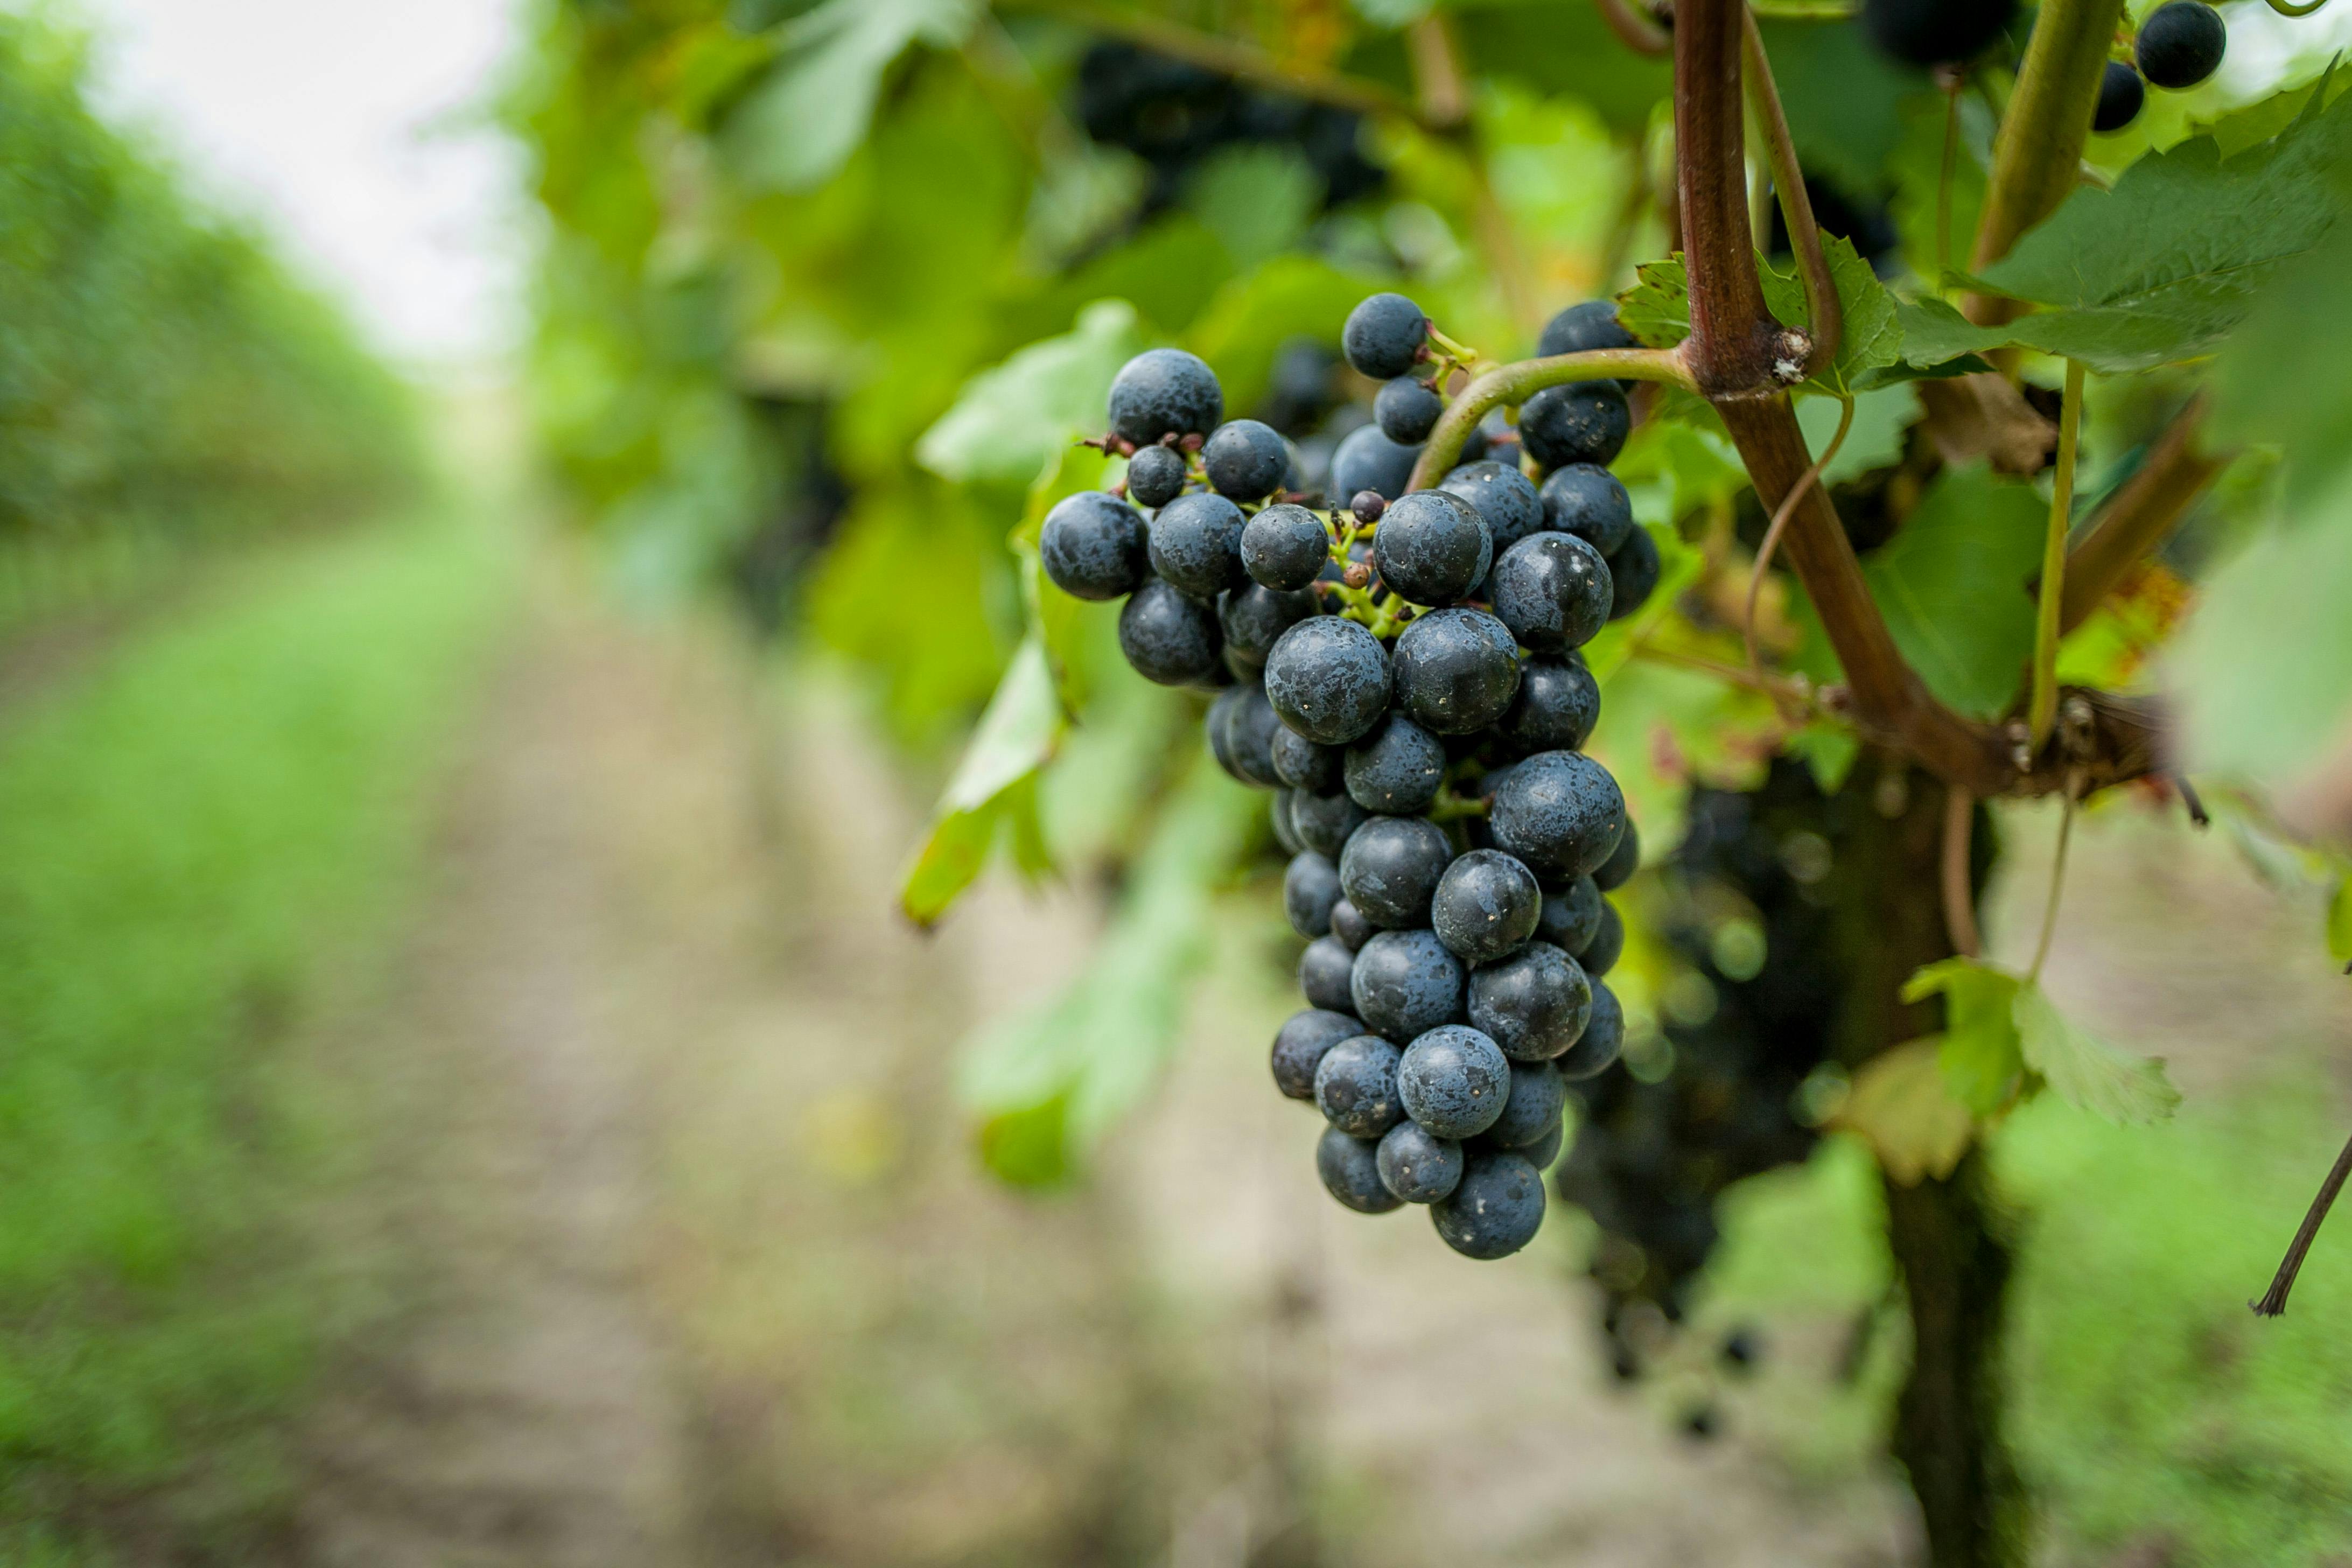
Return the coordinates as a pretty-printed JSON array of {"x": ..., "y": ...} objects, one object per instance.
[
  {"x": 2178, "y": 44},
  {"x": 1651, "y": 1158},
  {"x": 1403, "y": 673}
]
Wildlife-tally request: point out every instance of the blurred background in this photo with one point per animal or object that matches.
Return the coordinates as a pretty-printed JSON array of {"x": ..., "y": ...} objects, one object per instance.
[{"x": 503, "y": 534}]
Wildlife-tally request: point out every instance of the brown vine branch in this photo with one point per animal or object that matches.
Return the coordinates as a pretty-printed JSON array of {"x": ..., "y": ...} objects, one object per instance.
[
  {"x": 2274, "y": 1300},
  {"x": 1517, "y": 381},
  {"x": 1771, "y": 539},
  {"x": 1826, "y": 315},
  {"x": 2139, "y": 514},
  {"x": 1246, "y": 62},
  {"x": 1959, "y": 899},
  {"x": 1637, "y": 32}
]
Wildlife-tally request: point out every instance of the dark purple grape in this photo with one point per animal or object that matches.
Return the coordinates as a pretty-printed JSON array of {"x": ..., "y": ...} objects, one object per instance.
[
  {"x": 1927, "y": 33},
  {"x": 1328, "y": 679},
  {"x": 1383, "y": 336},
  {"x": 1557, "y": 706},
  {"x": 1457, "y": 671},
  {"x": 1416, "y": 1166},
  {"x": 1535, "y": 1005},
  {"x": 1432, "y": 547},
  {"x": 1164, "y": 391},
  {"x": 1553, "y": 591},
  {"x": 1169, "y": 638},
  {"x": 1324, "y": 971},
  {"x": 1350, "y": 927},
  {"x": 2180, "y": 44},
  {"x": 1285, "y": 547},
  {"x": 1302, "y": 765},
  {"x": 1571, "y": 917},
  {"x": 1453, "y": 1081},
  {"x": 1407, "y": 410},
  {"x": 1094, "y": 546},
  {"x": 1406, "y": 984},
  {"x": 1324, "y": 822},
  {"x": 1582, "y": 422},
  {"x": 1502, "y": 497},
  {"x": 1604, "y": 1041},
  {"x": 1310, "y": 886},
  {"x": 2121, "y": 93},
  {"x": 1587, "y": 500},
  {"x": 1486, "y": 905},
  {"x": 1369, "y": 460},
  {"x": 1155, "y": 476},
  {"x": 1279, "y": 814},
  {"x": 1497, "y": 1208},
  {"x": 1356, "y": 1086},
  {"x": 1396, "y": 769},
  {"x": 1531, "y": 1110},
  {"x": 1622, "y": 862},
  {"x": 1560, "y": 812},
  {"x": 1591, "y": 325},
  {"x": 1244, "y": 460},
  {"x": 1633, "y": 575},
  {"x": 1196, "y": 544},
  {"x": 1299, "y": 1046},
  {"x": 1350, "y": 1170},
  {"x": 1254, "y": 619},
  {"x": 1391, "y": 868},
  {"x": 1601, "y": 955}
]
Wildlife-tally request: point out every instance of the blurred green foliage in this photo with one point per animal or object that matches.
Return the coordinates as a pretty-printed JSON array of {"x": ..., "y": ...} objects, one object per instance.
[
  {"x": 198, "y": 838},
  {"x": 161, "y": 373}
]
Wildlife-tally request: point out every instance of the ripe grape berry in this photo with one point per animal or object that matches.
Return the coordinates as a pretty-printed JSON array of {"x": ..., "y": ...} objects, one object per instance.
[
  {"x": 1603, "y": 1041},
  {"x": 1302, "y": 765},
  {"x": 2121, "y": 93},
  {"x": 1591, "y": 325},
  {"x": 1927, "y": 33},
  {"x": 1350, "y": 1170},
  {"x": 1244, "y": 460},
  {"x": 1285, "y": 547},
  {"x": 1406, "y": 984},
  {"x": 1453, "y": 1081},
  {"x": 1571, "y": 917},
  {"x": 1457, "y": 671},
  {"x": 1558, "y": 704},
  {"x": 1560, "y": 812},
  {"x": 1587, "y": 500},
  {"x": 1324, "y": 822},
  {"x": 1432, "y": 547},
  {"x": 2180, "y": 44},
  {"x": 1384, "y": 336},
  {"x": 1241, "y": 727},
  {"x": 1407, "y": 410},
  {"x": 1310, "y": 886},
  {"x": 1417, "y": 1166},
  {"x": 1356, "y": 1086},
  {"x": 1169, "y": 638},
  {"x": 1554, "y": 592},
  {"x": 1093, "y": 546},
  {"x": 1277, "y": 815},
  {"x": 1622, "y": 862},
  {"x": 1254, "y": 617},
  {"x": 1608, "y": 943},
  {"x": 1632, "y": 573},
  {"x": 1495, "y": 1209},
  {"x": 1396, "y": 769},
  {"x": 1164, "y": 391},
  {"x": 1299, "y": 1046},
  {"x": 1502, "y": 497},
  {"x": 1535, "y": 1005},
  {"x": 1391, "y": 867},
  {"x": 1155, "y": 476},
  {"x": 1531, "y": 1108},
  {"x": 1487, "y": 905},
  {"x": 1350, "y": 927},
  {"x": 1582, "y": 422},
  {"x": 1328, "y": 679},
  {"x": 1325, "y": 970},
  {"x": 1368, "y": 460},
  {"x": 1196, "y": 544}
]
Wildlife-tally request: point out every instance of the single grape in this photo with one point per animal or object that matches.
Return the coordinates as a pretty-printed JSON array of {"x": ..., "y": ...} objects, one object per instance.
[
  {"x": 1196, "y": 544},
  {"x": 1328, "y": 679},
  {"x": 1532, "y": 1107},
  {"x": 1216, "y": 726},
  {"x": 1367, "y": 505},
  {"x": 1602, "y": 1042},
  {"x": 1453, "y": 1081},
  {"x": 1633, "y": 574},
  {"x": 1591, "y": 325},
  {"x": 1582, "y": 422},
  {"x": 1324, "y": 970},
  {"x": 1391, "y": 868},
  {"x": 1168, "y": 637},
  {"x": 1560, "y": 812},
  {"x": 1349, "y": 926},
  {"x": 1497, "y": 1208},
  {"x": 1535, "y": 1005},
  {"x": 1557, "y": 706},
  {"x": 1310, "y": 886},
  {"x": 1164, "y": 391},
  {"x": 1285, "y": 547},
  {"x": 1432, "y": 547},
  {"x": 1094, "y": 546},
  {"x": 1244, "y": 460},
  {"x": 1607, "y": 945},
  {"x": 1587, "y": 500},
  {"x": 1384, "y": 336},
  {"x": 1155, "y": 476},
  {"x": 1502, "y": 497},
  {"x": 1571, "y": 918},
  {"x": 1416, "y": 1166},
  {"x": 1324, "y": 822},
  {"x": 1406, "y": 984},
  {"x": 1350, "y": 1170},
  {"x": 1486, "y": 905},
  {"x": 1553, "y": 591},
  {"x": 1457, "y": 671},
  {"x": 2121, "y": 93},
  {"x": 1356, "y": 1086},
  {"x": 1622, "y": 862},
  {"x": 1299, "y": 1046},
  {"x": 1544, "y": 1153},
  {"x": 1254, "y": 619},
  {"x": 1302, "y": 765},
  {"x": 1927, "y": 33},
  {"x": 1368, "y": 460},
  {"x": 1249, "y": 729},
  {"x": 1396, "y": 769},
  {"x": 1406, "y": 410},
  {"x": 2180, "y": 44},
  {"x": 1285, "y": 832}
]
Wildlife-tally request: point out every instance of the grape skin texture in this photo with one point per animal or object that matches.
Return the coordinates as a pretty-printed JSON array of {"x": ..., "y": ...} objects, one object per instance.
[
  {"x": 1278, "y": 815},
  {"x": 1406, "y": 410},
  {"x": 1285, "y": 548},
  {"x": 1391, "y": 868},
  {"x": 1155, "y": 476},
  {"x": 1553, "y": 591},
  {"x": 1405, "y": 983},
  {"x": 1536, "y": 1004},
  {"x": 1456, "y": 670},
  {"x": 1094, "y": 546},
  {"x": 1325, "y": 970},
  {"x": 1383, "y": 336},
  {"x": 1368, "y": 460},
  {"x": 1164, "y": 391},
  {"x": 1501, "y": 495},
  {"x": 1299, "y": 1047},
  {"x": 1453, "y": 1081},
  {"x": 1432, "y": 547},
  {"x": 1248, "y": 729},
  {"x": 1325, "y": 822},
  {"x": 1531, "y": 1108},
  {"x": 1302, "y": 765},
  {"x": 1328, "y": 679},
  {"x": 1245, "y": 459},
  {"x": 1633, "y": 574},
  {"x": 2180, "y": 44},
  {"x": 1196, "y": 544},
  {"x": 1416, "y": 1166},
  {"x": 2121, "y": 93},
  {"x": 1560, "y": 812},
  {"x": 1350, "y": 1170},
  {"x": 1486, "y": 905},
  {"x": 1588, "y": 500},
  {"x": 1622, "y": 862},
  {"x": 1396, "y": 769},
  {"x": 1356, "y": 1086},
  {"x": 1169, "y": 638},
  {"x": 1594, "y": 324},
  {"x": 1608, "y": 943},
  {"x": 1604, "y": 1041},
  {"x": 1582, "y": 422},
  {"x": 1310, "y": 886},
  {"x": 1570, "y": 917},
  {"x": 1497, "y": 1207},
  {"x": 1351, "y": 928},
  {"x": 1558, "y": 704},
  {"x": 1254, "y": 617}
]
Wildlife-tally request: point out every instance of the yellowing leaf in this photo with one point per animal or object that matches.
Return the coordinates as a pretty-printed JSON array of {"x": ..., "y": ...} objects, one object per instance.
[{"x": 1900, "y": 1106}]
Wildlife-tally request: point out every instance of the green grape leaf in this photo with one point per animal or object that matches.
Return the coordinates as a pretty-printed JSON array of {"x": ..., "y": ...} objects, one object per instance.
[
  {"x": 1656, "y": 311},
  {"x": 993, "y": 786},
  {"x": 2339, "y": 922},
  {"x": 1900, "y": 1106},
  {"x": 1952, "y": 586},
  {"x": 1048, "y": 1085},
  {"x": 1013, "y": 418},
  {"x": 1983, "y": 1061},
  {"x": 2088, "y": 1073},
  {"x": 796, "y": 127}
]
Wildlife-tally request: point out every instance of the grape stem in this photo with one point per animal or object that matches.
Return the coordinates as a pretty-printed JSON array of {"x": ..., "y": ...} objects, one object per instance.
[
  {"x": 1771, "y": 539},
  {"x": 1517, "y": 381},
  {"x": 2042, "y": 710},
  {"x": 2273, "y": 1302},
  {"x": 1637, "y": 32},
  {"x": 2141, "y": 511},
  {"x": 1959, "y": 899},
  {"x": 2285, "y": 9},
  {"x": 1824, "y": 315}
]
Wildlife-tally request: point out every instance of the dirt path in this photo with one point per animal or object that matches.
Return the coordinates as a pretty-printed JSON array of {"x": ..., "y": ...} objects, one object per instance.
[{"x": 695, "y": 1267}]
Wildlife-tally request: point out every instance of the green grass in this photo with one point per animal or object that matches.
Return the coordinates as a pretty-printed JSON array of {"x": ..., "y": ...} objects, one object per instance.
[
  {"x": 2151, "y": 1410},
  {"x": 195, "y": 839}
]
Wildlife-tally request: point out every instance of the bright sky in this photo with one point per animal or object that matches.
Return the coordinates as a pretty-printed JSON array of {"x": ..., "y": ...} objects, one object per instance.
[{"x": 353, "y": 129}]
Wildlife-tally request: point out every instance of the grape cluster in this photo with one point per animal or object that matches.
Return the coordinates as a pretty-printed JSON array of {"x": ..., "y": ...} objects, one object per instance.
[
  {"x": 1753, "y": 878},
  {"x": 2178, "y": 44},
  {"x": 1402, "y": 672}
]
